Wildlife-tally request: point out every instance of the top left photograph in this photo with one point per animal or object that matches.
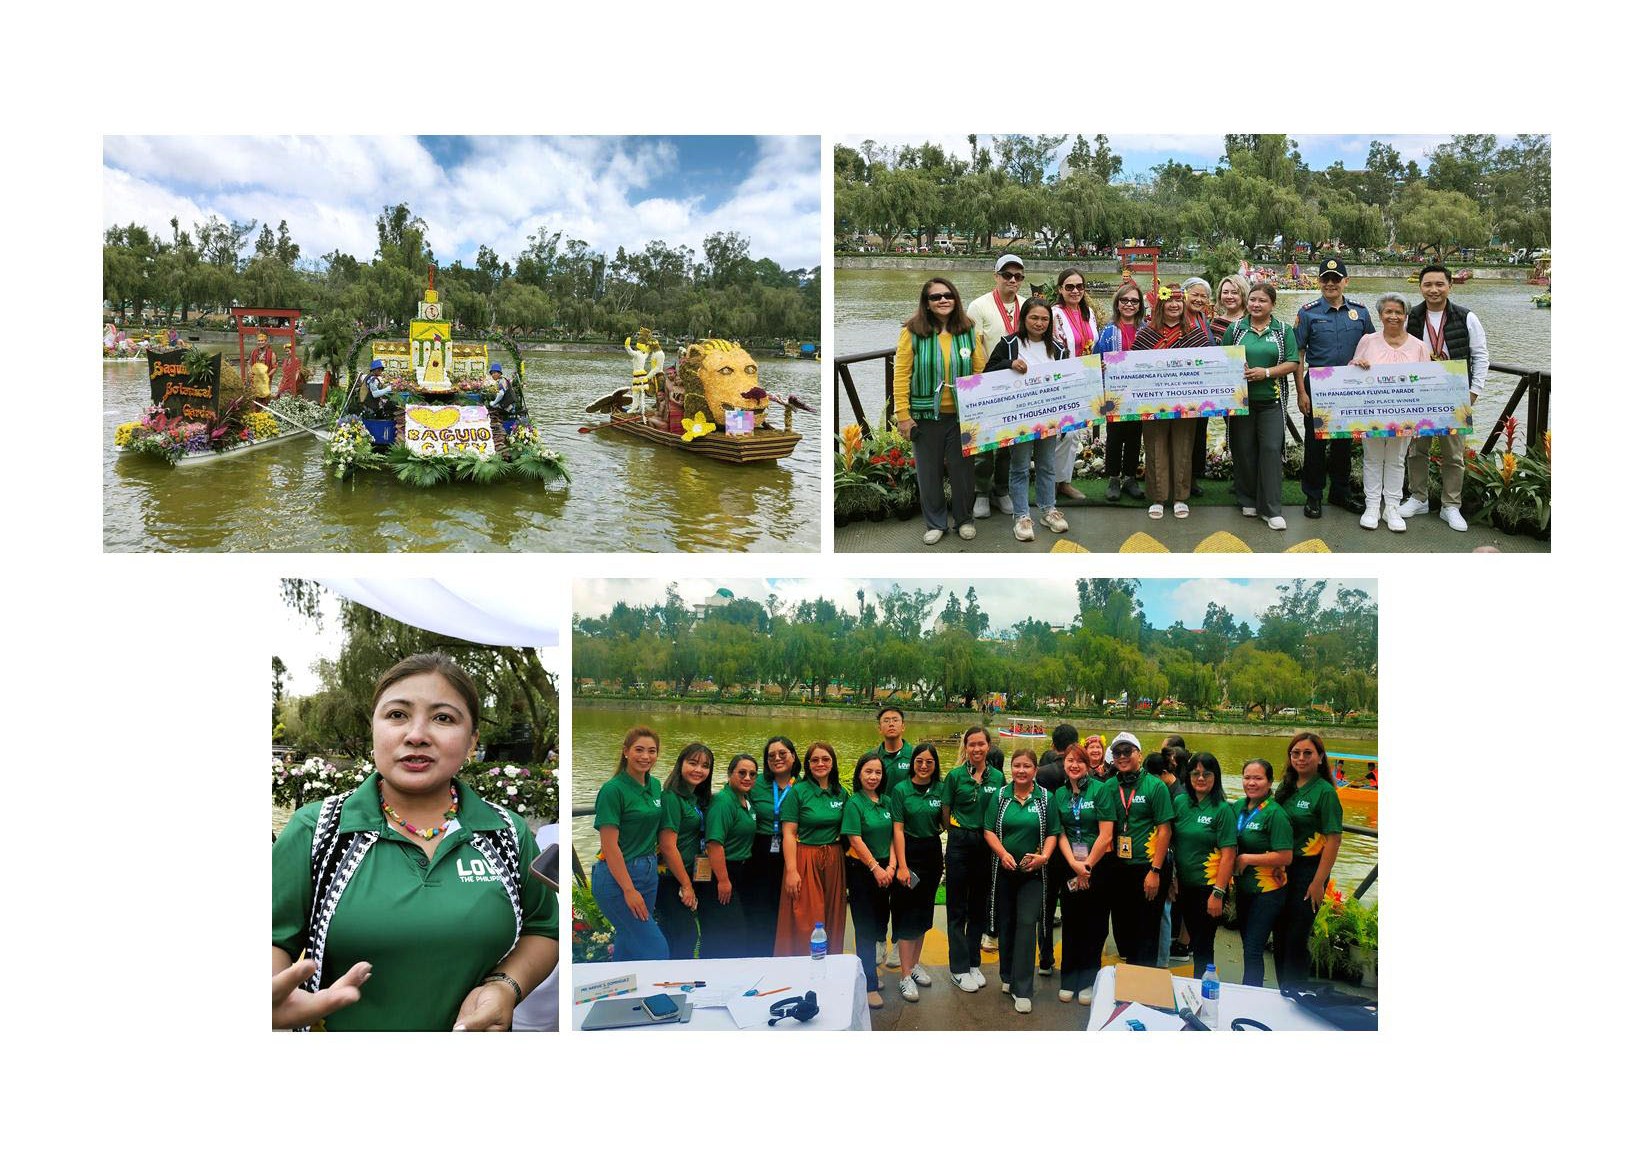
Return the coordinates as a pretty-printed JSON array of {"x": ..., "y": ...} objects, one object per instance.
[{"x": 461, "y": 344}]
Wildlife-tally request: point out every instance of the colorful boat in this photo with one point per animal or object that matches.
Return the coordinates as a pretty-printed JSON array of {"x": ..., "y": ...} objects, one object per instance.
[
  {"x": 440, "y": 415},
  {"x": 710, "y": 402},
  {"x": 1012, "y": 727},
  {"x": 1360, "y": 787}
]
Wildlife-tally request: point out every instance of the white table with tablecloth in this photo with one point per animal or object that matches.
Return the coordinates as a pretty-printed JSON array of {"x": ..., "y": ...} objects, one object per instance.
[
  {"x": 1262, "y": 1004},
  {"x": 837, "y": 980}
]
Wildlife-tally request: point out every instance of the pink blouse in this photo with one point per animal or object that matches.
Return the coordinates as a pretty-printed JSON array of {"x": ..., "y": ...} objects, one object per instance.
[{"x": 1376, "y": 350}]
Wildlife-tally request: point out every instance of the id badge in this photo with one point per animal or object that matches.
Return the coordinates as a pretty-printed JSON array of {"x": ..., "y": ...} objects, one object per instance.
[
  {"x": 773, "y": 844},
  {"x": 1080, "y": 850},
  {"x": 701, "y": 869},
  {"x": 1125, "y": 847}
]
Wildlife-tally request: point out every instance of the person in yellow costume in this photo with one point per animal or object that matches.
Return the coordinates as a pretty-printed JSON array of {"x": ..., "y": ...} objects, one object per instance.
[{"x": 262, "y": 366}]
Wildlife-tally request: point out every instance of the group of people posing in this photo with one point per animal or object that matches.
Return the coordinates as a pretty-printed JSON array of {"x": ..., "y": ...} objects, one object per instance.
[
  {"x": 945, "y": 340},
  {"x": 1105, "y": 832}
]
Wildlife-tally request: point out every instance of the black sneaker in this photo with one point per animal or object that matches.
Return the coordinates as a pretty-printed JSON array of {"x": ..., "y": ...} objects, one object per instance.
[
  {"x": 1180, "y": 950},
  {"x": 1197, "y": 488},
  {"x": 1132, "y": 489},
  {"x": 1351, "y": 503},
  {"x": 1113, "y": 490},
  {"x": 1314, "y": 507}
]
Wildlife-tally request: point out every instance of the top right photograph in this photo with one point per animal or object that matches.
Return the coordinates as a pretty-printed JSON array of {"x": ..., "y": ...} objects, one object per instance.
[{"x": 1193, "y": 343}]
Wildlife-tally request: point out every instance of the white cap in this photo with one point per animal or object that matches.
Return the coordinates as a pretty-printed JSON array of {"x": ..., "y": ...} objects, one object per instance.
[
  {"x": 1008, "y": 258},
  {"x": 1124, "y": 737}
]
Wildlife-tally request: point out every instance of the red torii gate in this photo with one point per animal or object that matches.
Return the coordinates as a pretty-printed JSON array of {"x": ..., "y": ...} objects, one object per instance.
[{"x": 1141, "y": 259}]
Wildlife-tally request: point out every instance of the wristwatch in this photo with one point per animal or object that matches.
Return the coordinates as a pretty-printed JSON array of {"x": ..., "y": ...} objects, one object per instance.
[{"x": 500, "y": 977}]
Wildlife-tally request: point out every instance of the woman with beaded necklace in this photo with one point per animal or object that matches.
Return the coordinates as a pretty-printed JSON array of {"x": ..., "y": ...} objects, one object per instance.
[
  {"x": 370, "y": 884},
  {"x": 1123, "y": 436}
]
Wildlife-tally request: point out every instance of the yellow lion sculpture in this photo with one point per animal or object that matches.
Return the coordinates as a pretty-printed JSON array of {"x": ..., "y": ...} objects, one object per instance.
[{"x": 715, "y": 375}]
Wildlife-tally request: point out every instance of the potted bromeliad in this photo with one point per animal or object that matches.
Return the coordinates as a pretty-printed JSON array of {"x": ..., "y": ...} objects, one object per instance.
[
  {"x": 1512, "y": 491},
  {"x": 1345, "y": 938}
]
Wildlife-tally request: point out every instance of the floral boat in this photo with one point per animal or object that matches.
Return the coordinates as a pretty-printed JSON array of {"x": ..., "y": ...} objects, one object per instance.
[
  {"x": 709, "y": 403},
  {"x": 440, "y": 416},
  {"x": 1011, "y": 727}
]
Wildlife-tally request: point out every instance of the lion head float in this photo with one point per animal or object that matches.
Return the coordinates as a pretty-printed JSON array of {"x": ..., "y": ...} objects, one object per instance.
[{"x": 715, "y": 376}]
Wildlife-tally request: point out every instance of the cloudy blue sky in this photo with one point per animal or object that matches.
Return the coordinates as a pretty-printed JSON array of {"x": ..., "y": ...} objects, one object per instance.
[
  {"x": 1142, "y": 153},
  {"x": 473, "y": 190}
]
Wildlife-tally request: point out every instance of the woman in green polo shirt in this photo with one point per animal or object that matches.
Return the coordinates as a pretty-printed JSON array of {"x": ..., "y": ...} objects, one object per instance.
[
  {"x": 1205, "y": 851},
  {"x": 965, "y": 794},
  {"x": 811, "y": 822},
  {"x": 730, "y": 834},
  {"x": 625, "y": 881},
  {"x": 412, "y": 878},
  {"x": 918, "y": 861},
  {"x": 780, "y": 766},
  {"x": 868, "y": 826},
  {"x": 1021, "y": 830},
  {"x": 1088, "y": 820},
  {"x": 1265, "y": 846},
  {"x": 1270, "y": 351},
  {"x": 686, "y": 794},
  {"x": 1133, "y": 886},
  {"x": 1308, "y": 797}
]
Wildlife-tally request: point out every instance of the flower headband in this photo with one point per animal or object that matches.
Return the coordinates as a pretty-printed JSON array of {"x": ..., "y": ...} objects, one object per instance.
[{"x": 1167, "y": 293}]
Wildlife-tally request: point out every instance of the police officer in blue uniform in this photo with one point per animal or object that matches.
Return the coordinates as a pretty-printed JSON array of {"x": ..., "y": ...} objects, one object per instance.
[{"x": 1327, "y": 331}]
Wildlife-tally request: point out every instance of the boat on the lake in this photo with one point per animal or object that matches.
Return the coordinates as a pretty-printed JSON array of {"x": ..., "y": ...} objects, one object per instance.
[
  {"x": 1357, "y": 778},
  {"x": 1544, "y": 300},
  {"x": 445, "y": 409},
  {"x": 1018, "y": 727},
  {"x": 710, "y": 402}
]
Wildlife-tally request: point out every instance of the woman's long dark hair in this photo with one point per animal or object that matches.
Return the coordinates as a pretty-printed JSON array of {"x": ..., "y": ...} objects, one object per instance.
[
  {"x": 1207, "y": 760},
  {"x": 1060, "y": 289},
  {"x": 923, "y": 322},
  {"x": 1048, "y": 333},
  {"x": 675, "y": 782},
  {"x": 1288, "y": 787}
]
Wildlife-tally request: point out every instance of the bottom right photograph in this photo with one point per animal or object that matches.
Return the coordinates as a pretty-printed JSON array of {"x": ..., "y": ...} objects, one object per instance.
[{"x": 898, "y": 805}]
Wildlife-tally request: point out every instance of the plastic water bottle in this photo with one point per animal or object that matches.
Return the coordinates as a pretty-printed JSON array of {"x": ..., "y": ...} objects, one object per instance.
[
  {"x": 1211, "y": 998},
  {"x": 816, "y": 942}
]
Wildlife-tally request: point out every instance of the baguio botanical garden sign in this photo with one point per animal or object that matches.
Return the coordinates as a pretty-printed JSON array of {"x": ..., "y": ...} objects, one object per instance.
[
  {"x": 448, "y": 429},
  {"x": 179, "y": 394},
  {"x": 1429, "y": 399}
]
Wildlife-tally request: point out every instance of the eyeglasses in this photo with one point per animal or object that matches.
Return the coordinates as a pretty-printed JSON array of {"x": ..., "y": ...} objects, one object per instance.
[
  {"x": 746, "y": 774},
  {"x": 1072, "y": 287},
  {"x": 936, "y": 297},
  {"x": 1135, "y": 300},
  {"x": 1302, "y": 751},
  {"x": 1014, "y": 276},
  {"x": 1202, "y": 773}
]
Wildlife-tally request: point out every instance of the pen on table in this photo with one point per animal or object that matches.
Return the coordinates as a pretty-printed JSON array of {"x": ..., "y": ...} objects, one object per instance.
[
  {"x": 682, "y": 983},
  {"x": 774, "y": 991}
]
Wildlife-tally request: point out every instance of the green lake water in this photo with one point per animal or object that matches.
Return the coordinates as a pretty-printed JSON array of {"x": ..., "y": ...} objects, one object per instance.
[
  {"x": 625, "y": 494},
  {"x": 597, "y": 734}
]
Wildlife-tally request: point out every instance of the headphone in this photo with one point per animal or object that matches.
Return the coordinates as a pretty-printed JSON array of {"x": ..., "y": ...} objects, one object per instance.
[{"x": 798, "y": 1007}]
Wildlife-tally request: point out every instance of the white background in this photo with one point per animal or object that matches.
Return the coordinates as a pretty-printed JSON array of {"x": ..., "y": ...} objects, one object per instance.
[{"x": 137, "y": 900}]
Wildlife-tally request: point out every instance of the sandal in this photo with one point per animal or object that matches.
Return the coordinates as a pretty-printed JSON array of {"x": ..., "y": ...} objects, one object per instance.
[
  {"x": 1155, "y": 511},
  {"x": 1181, "y": 511}
]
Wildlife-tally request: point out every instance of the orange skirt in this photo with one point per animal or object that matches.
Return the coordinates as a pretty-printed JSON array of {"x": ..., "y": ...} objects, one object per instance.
[{"x": 823, "y": 899}]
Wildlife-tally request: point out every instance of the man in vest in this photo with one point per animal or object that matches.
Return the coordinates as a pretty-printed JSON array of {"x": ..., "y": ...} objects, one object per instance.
[
  {"x": 1327, "y": 331},
  {"x": 1450, "y": 332},
  {"x": 375, "y": 404},
  {"x": 996, "y": 314}
]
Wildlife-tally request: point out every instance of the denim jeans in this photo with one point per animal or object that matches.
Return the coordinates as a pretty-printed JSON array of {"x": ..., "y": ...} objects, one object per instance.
[
  {"x": 1257, "y": 915},
  {"x": 633, "y": 939},
  {"x": 1019, "y": 470}
]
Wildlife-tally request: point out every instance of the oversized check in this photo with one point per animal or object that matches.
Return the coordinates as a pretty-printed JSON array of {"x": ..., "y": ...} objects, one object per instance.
[
  {"x": 1428, "y": 399},
  {"x": 999, "y": 408},
  {"x": 1175, "y": 384}
]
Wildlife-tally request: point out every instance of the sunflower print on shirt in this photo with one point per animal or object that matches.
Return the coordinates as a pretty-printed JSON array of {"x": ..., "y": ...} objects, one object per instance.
[
  {"x": 1313, "y": 846},
  {"x": 1211, "y": 867}
]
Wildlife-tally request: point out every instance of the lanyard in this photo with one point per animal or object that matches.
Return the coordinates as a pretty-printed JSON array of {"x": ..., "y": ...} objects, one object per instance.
[
  {"x": 1246, "y": 817},
  {"x": 1436, "y": 335},
  {"x": 1010, "y": 323},
  {"x": 1076, "y": 808},
  {"x": 1126, "y": 800},
  {"x": 1081, "y": 334}
]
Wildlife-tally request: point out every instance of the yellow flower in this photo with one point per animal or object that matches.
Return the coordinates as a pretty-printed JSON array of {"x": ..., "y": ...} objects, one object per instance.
[
  {"x": 697, "y": 426},
  {"x": 1509, "y": 466},
  {"x": 851, "y": 438},
  {"x": 1547, "y": 444}
]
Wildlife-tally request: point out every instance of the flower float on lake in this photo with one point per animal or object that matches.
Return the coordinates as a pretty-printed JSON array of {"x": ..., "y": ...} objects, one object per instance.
[{"x": 699, "y": 426}]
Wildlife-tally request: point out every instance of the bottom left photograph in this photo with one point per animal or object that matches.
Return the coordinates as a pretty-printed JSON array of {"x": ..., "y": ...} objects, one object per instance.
[{"x": 414, "y": 789}]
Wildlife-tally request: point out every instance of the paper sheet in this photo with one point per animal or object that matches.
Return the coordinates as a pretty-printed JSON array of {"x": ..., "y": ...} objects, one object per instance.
[
  {"x": 1150, "y": 1017},
  {"x": 751, "y": 1012}
]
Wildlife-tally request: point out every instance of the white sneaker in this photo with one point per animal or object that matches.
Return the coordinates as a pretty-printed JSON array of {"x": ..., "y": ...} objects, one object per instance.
[
  {"x": 979, "y": 976},
  {"x": 1066, "y": 996},
  {"x": 1250, "y": 512},
  {"x": 1055, "y": 521},
  {"x": 882, "y": 954},
  {"x": 908, "y": 989},
  {"x": 1453, "y": 517},
  {"x": 982, "y": 507},
  {"x": 1008, "y": 989},
  {"x": 1005, "y": 504},
  {"x": 1412, "y": 507},
  {"x": 933, "y": 536},
  {"x": 1395, "y": 519},
  {"x": 1086, "y": 996},
  {"x": 922, "y": 977},
  {"x": 965, "y": 981},
  {"x": 1276, "y": 523},
  {"x": 893, "y": 957},
  {"x": 987, "y": 943},
  {"x": 1023, "y": 531},
  {"x": 1023, "y": 1006},
  {"x": 1370, "y": 518},
  {"x": 966, "y": 532}
]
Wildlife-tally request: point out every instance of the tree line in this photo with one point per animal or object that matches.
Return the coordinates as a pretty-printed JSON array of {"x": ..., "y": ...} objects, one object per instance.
[
  {"x": 557, "y": 285},
  {"x": 1258, "y": 202},
  {"x": 1305, "y": 651}
]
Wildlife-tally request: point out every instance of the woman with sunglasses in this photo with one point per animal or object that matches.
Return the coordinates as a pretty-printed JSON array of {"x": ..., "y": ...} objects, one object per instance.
[
  {"x": 685, "y": 796},
  {"x": 1205, "y": 851},
  {"x": 1271, "y": 354},
  {"x": 1031, "y": 346},
  {"x": 1197, "y": 312},
  {"x": 815, "y": 890},
  {"x": 767, "y": 870},
  {"x": 730, "y": 844},
  {"x": 1077, "y": 328},
  {"x": 936, "y": 346},
  {"x": 915, "y": 805},
  {"x": 1133, "y": 884},
  {"x": 1168, "y": 443},
  {"x": 1265, "y": 846},
  {"x": 1123, "y": 436},
  {"x": 1088, "y": 820},
  {"x": 1308, "y": 797},
  {"x": 868, "y": 826}
]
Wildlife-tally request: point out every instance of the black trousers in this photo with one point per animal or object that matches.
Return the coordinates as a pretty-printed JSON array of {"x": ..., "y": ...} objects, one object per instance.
[
  {"x": 1082, "y": 934},
  {"x": 938, "y": 446},
  {"x": 724, "y": 928},
  {"x": 1333, "y": 456},
  {"x": 967, "y": 896},
  {"x": 991, "y": 473},
  {"x": 1123, "y": 449},
  {"x": 1017, "y": 907},
  {"x": 868, "y": 904},
  {"x": 912, "y": 908},
  {"x": 1194, "y": 907},
  {"x": 1294, "y": 928},
  {"x": 1135, "y": 920},
  {"x": 1058, "y": 872},
  {"x": 765, "y": 875},
  {"x": 678, "y": 922}
]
